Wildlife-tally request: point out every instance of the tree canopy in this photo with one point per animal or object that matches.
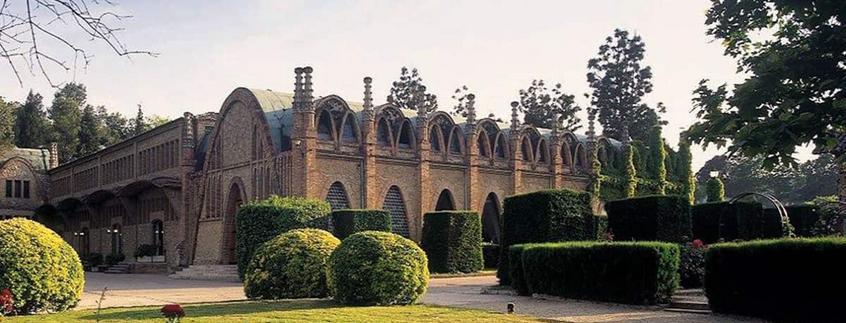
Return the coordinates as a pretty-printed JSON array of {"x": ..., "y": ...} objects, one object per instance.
[
  {"x": 410, "y": 93},
  {"x": 7, "y": 121},
  {"x": 540, "y": 105},
  {"x": 793, "y": 53},
  {"x": 31, "y": 125}
]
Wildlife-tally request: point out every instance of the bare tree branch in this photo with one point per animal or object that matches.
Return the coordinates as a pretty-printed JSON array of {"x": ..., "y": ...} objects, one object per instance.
[{"x": 25, "y": 25}]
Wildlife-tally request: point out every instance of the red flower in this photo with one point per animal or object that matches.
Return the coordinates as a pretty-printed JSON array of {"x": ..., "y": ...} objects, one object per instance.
[
  {"x": 698, "y": 244},
  {"x": 7, "y": 304},
  {"x": 173, "y": 310}
]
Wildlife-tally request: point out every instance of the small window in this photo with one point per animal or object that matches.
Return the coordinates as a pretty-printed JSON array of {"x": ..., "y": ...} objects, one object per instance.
[
  {"x": 8, "y": 188},
  {"x": 17, "y": 188},
  {"x": 26, "y": 189}
]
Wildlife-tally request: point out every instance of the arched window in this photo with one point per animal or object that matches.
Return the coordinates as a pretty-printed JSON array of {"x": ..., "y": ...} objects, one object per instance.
[
  {"x": 490, "y": 219},
  {"x": 337, "y": 197},
  {"x": 501, "y": 152},
  {"x": 395, "y": 204},
  {"x": 527, "y": 149},
  {"x": 158, "y": 236},
  {"x": 348, "y": 133},
  {"x": 445, "y": 201},
  {"x": 405, "y": 137},
  {"x": 543, "y": 152},
  {"x": 484, "y": 147},
  {"x": 383, "y": 133},
  {"x": 435, "y": 138},
  {"x": 455, "y": 142},
  {"x": 324, "y": 126}
]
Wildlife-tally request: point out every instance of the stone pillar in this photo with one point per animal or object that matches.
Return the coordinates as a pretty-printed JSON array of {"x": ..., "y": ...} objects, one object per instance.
[
  {"x": 304, "y": 138},
  {"x": 555, "y": 147},
  {"x": 472, "y": 156},
  {"x": 370, "y": 194},
  {"x": 188, "y": 216},
  {"x": 516, "y": 161},
  {"x": 424, "y": 154}
]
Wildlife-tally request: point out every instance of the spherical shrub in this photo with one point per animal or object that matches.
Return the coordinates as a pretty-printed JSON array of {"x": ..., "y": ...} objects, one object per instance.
[
  {"x": 292, "y": 265},
  {"x": 40, "y": 269},
  {"x": 378, "y": 268}
]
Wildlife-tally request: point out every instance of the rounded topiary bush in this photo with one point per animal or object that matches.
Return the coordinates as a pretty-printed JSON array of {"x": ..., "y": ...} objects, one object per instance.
[
  {"x": 292, "y": 265},
  {"x": 378, "y": 268},
  {"x": 41, "y": 270}
]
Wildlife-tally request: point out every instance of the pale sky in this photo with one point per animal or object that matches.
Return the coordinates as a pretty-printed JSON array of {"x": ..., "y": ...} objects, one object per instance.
[{"x": 208, "y": 48}]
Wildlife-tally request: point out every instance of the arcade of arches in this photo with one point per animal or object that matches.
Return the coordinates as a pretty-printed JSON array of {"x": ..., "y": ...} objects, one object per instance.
[{"x": 196, "y": 171}]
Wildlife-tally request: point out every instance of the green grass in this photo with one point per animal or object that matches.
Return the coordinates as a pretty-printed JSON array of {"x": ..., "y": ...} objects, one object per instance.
[{"x": 283, "y": 311}]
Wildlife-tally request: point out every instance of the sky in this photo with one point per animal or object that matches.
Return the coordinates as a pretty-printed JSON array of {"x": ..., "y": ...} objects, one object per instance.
[{"x": 209, "y": 48}]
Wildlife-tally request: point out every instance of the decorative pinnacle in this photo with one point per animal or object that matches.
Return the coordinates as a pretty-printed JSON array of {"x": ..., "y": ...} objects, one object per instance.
[
  {"x": 368, "y": 96},
  {"x": 591, "y": 132},
  {"x": 515, "y": 120},
  {"x": 471, "y": 109},
  {"x": 557, "y": 124},
  {"x": 307, "y": 84},
  {"x": 298, "y": 87},
  {"x": 421, "y": 107}
]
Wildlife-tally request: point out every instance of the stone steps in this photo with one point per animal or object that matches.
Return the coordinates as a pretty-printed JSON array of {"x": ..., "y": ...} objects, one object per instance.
[
  {"x": 121, "y": 268},
  {"x": 689, "y": 301},
  {"x": 208, "y": 272}
]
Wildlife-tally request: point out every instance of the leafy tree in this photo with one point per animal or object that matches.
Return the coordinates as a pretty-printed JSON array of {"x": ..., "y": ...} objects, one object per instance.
[
  {"x": 66, "y": 112},
  {"x": 89, "y": 132},
  {"x": 410, "y": 93},
  {"x": 115, "y": 127},
  {"x": 540, "y": 105},
  {"x": 155, "y": 121},
  {"x": 7, "y": 121},
  {"x": 461, "y": 96},
  {"x": 715, "y": 190},
  {"x": 619, "y": 83},
  {"x": 792, "y": 54},
  {"x": 31, "y": 124}
]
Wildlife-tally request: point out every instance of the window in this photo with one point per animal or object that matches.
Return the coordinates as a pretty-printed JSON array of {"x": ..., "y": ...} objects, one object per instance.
[
  {"x": 26, "y": 189},
  {"x": 17, "y": 188},
  {"x": 8, "y": 188}
]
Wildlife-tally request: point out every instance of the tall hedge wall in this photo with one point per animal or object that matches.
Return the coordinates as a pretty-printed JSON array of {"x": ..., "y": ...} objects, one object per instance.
[
  {"x": 347, "y": 222},
  {"x": 650, "y": 218},
  {"x": 740, "y": 220},
  {"x": 453, "y": 241},
  {"x": 794, "y": 280},
  {"x": 258, "y": 222},
  {"x": 544, "y": 216},
  {"x": 622, "y": 272},
  {"x": 802, "y": 218}
]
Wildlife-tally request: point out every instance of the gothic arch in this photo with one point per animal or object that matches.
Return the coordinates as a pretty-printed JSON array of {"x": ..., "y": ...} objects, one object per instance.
[
  {"x": 445, "y": 201},
  {"x": 349, "y": 131},
  {"x": 456, "y": 141},
  {"x": 483, "y": 144},
  {"x": 240, "y": 98},
  {"x": 542, "y": 152},
  {"x": 491, "y": 218},
  {"x": 406, "y": 138},
  {"x": 337, "y": 196},
  {"x": 395, "y": 203},
  {"x": 526, "y": 149},
  {"x": 235, "y": 197},
  {"x": 436, "y": 139},
  {"x": 325, "y": 126},
  {"x": 384, "y": 136},
  {"x": 500, "y": 146}
]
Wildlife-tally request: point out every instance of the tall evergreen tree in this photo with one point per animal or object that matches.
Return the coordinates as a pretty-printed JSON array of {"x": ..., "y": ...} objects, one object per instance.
[
  {"x": 7, "y": 121},
  {"x": 89, "y": 132},
  {"x": 116, "y": 127},
  {"x": 686, "y": 174},
  {"x": 631, "y": 171},
  {"x": 540, "y": 105},
  {"x": 619, "y": 83},
  {"x": 31, "y": 124},
  {"x": 656, "y": 165},
  {"x": 139, "y": 125},
  {"x": 410, "y": 93},
  {"x": 66, "y": 112}
]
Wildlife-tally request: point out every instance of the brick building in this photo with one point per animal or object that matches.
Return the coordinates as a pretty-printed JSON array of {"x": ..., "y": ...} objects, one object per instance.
[
  {"x": 179, "y": 186},
  {"x": 24, "y": 180}
]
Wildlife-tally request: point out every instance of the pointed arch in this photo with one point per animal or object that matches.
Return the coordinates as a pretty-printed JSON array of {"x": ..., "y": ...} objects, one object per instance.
[
  {"x": 337, "y": 197},
  {"x": 350, "y": 132},
  {"x": 436, "y": 139},
  {"x": 325, "y": 126},
  {"x": 445, "y": 201},
  {"x": 456, "y": 141},
  {"x": 234, "y": 200},
  {"x": 526, "y": 149},
  {"x": 542, "y": 151},
  {"x": 483, "y": 144},
  {"x": 580, "y": 158},
  {"x": 384, "y": 137},
  {"x": 500, "y": 147},
  {"x": 395, "y": 204},
  {"x": 406, "y": 139},
  {"x": 490, "y": 219}
]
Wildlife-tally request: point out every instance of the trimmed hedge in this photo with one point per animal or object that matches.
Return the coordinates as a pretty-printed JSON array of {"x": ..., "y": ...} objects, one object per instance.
[
  {"x": 378, "y": 268},
  {"x": 42, "y": 271},
  {"x": 802, "y": 218},
  {"x": 490, "y": 254},
  {"x": 620, "y": 272},
  {"x": 292, "y": 265},
  {"x": 453, "y": 241},
  {"x": 515, "y": 269},
  {"x": 543, "y": 216},
  {"x": 350, "y": 221},
  {"x": 780, "y": 280},
  {"x": 600, "y": 226},
  {"x": 741, "y": 220},
  {"x": 258, "y": 222},
  {"x": 650, "y": 218}
]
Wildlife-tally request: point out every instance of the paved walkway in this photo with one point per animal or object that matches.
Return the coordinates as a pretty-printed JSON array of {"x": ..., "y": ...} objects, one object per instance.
[{"x": 137, "y": 290}]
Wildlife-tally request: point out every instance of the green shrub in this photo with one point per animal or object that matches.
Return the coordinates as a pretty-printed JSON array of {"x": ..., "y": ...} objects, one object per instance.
[
  {"x": 600, "y": 225},
  {"x": 40, "y": 269},
  {"x": 292, "y": 265},
  {"x": 621, "y": 272},
  {"x": 490, "y": 253},
  {"x": 650, "y": 218},
  {"x": 453, "y": 241},
  {"x": 802, "y": 218},
  {"x": 544, "y": 216},
  {"x": 831, "y": 218},
  {"x": 692, "y": 264},
  {"x": 515, "y": 269},
  {"x": 347, "y": 222},
  {"x": 145, "y": 250},
  {"x": 780, "y": 280},
  {"x": 378, "y": 268},
  {"x": 257, "y": 222},
  {"x": 715, "y": 190},
  {"x": 114, "y": 258},
  {"x": 736, "y": 221}
]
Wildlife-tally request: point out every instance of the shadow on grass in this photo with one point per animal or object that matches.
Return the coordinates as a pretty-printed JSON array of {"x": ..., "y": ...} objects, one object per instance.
[{"x": 215, "y": 309}]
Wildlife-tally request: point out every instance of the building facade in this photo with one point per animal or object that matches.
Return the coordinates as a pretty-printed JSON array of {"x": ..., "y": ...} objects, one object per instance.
[
  {"x": 180, "y": 185},
  {"x": 23, "y": 174}
]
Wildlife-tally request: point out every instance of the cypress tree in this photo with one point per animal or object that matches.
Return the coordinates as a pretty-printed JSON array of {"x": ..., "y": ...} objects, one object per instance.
[
  {"x": 686, "y": 174},
  {"x": 89, "y": 132},
  {"x": 716, "y": 190},
  {"x": 66, "y": 112},
  {"x": 631, "y": 172},
  {"x": 657, "y": 160},
  {"x": 31, "y": 125}
]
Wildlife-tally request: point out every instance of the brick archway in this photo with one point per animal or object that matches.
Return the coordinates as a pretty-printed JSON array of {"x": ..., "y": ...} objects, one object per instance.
[{"x": 234, "y": 200}]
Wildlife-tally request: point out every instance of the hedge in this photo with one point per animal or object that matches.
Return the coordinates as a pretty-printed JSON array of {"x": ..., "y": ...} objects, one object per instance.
[
  {"x": 543, "y": 216},
  {"x": 802, "y": 218},
  {"x": 292, "y": 265},
  {"x": 378, "y": 268},
  {"x": 258, "y": 222},
  {"x": 42, "y": 271},
  {"x": 737, "y": 221},
  {"x": 620, "y": 272},
  {"x": 515, "y": 269},
  {"x": 779, "y": 280},
  {"x": 490, "y": 254},
  {"x": 650, "y": 218},
  {"x": 453, "y": 241},
  {"x": 347, "y": 222}
]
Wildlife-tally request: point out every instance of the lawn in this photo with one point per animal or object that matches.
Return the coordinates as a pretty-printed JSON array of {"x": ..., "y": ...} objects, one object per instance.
[{"x": 284, "y": 311}]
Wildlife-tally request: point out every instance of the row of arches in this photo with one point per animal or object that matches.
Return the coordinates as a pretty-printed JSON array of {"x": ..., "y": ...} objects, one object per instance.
[{"x": 394, "y": 202}]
